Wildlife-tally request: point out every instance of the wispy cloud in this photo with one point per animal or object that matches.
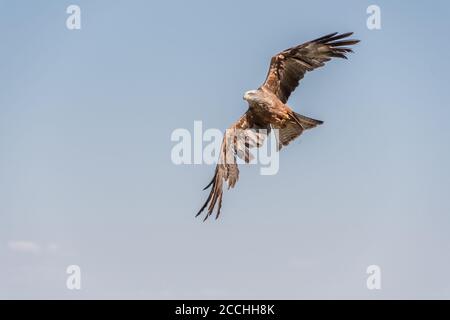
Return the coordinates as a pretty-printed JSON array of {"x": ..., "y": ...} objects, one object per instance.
[
  {"x": 32, "y": 247},
  {"x": 25, "y": 247}
]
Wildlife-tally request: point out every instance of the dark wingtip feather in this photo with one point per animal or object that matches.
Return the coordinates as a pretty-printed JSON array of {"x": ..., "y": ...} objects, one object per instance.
[
  {"x": 204, "y": 206},
  {"x": 337, "y": 54},
  {"x": 338, "y": 48},
  {"x": 341, "y": 36},
  {"x": 209, "y": 184},
  {"x": 200, "y": 211},
  {"x": 325, "y": 37},
  {"x": 344, "y": 43},
  {"x": 337, "y": 37}
]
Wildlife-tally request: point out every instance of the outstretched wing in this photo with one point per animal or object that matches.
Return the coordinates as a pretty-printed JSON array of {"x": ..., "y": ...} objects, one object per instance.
[
  {"x": 288, "y": 67},
  {"x": 237, "y": 141}
]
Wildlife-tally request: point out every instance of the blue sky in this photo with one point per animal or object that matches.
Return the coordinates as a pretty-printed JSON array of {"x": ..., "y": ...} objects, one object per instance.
[{"x": 86, "y": 176}]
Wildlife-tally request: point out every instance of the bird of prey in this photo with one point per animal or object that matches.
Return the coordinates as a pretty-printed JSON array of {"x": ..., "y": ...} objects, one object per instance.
[{"x": 268, "y": 109}]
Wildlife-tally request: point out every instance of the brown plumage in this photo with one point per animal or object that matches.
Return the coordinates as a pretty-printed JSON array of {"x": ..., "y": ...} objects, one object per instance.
[{"x": 268, "y": 109}]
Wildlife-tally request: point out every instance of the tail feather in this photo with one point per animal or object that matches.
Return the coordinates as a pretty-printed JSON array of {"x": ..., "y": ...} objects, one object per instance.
[
  {"x": 294, "y": 128},
  {"x": 307, "y": 123}
]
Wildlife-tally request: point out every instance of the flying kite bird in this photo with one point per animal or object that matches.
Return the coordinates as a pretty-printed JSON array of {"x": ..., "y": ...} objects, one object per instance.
[{"x": 268, "y": 109}]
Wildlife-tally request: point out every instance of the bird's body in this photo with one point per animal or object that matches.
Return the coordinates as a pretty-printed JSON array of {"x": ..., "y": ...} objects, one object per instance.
[
  {"x": 265, "y": 107},
  {"x": 268, "y": 109}
]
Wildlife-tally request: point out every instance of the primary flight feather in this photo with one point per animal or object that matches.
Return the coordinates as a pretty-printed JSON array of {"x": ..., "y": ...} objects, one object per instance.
[{"x": 268, "y": 109}]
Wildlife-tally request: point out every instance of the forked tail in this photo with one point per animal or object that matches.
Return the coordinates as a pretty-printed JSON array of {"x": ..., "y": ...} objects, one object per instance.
[{"x": 305, "y": 122}]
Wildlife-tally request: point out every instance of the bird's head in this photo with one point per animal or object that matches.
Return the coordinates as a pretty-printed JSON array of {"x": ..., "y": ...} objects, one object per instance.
[{"x": 250, "y": 95}]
